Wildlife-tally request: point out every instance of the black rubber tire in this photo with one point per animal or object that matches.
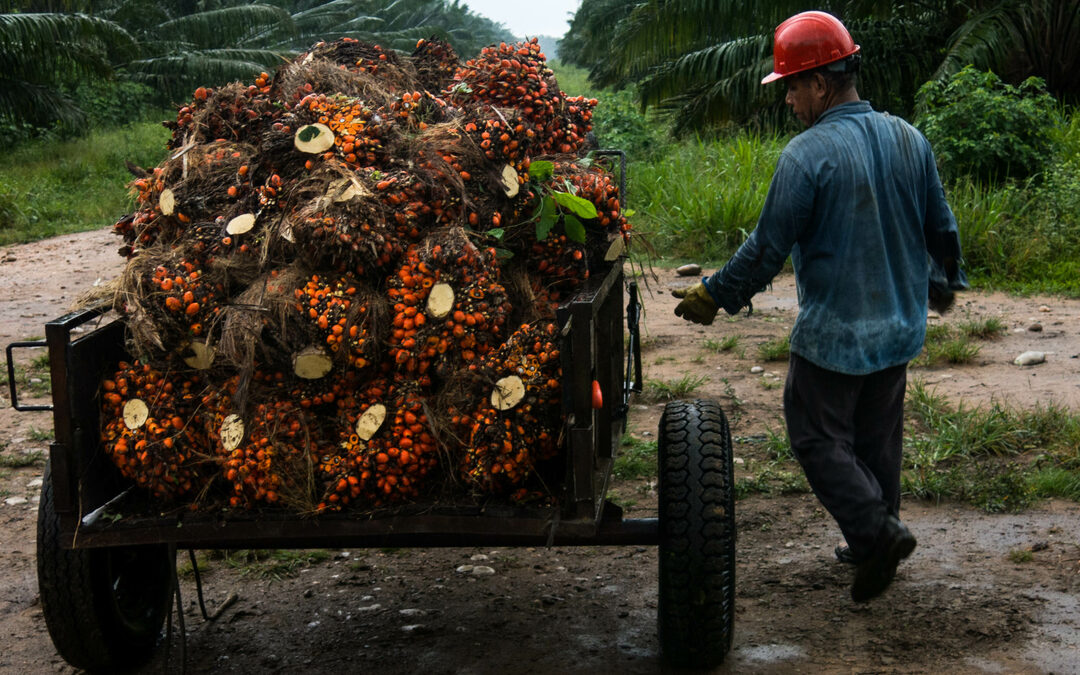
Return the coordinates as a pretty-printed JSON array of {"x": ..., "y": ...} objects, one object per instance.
[
  {"x": 696, "y": 609},
  {"x": 104, "y": 608}
]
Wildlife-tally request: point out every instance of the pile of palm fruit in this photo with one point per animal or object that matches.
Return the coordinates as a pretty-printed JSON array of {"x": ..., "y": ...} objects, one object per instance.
[{"x": 341, "y": 284}]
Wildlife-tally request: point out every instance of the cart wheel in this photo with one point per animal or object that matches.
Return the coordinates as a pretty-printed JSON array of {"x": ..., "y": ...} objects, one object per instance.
[
  {"x": 697, "y": 535},
  {"x": 104, "y": 608}
]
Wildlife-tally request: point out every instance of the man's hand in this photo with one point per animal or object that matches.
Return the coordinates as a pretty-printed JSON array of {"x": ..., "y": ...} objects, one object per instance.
[
  {"x": 697, "y": 305},
  {"x": 941, "y": 297}
]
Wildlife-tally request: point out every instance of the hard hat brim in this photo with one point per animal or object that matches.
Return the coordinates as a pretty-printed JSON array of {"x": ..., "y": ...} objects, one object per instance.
[{"x": 771, "y": 77}]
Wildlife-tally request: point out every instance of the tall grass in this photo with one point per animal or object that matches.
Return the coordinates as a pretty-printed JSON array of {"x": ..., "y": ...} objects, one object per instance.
[
  {"x": 997, "y": 457},
  {"x": 703, "y": 198},
  {"x": 50, "y": 187}
]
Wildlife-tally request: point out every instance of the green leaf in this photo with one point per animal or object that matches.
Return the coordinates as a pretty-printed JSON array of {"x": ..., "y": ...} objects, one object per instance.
[
  {"x": 548, "y": 218},
  {"x": 309, "y": 132},
  {"x": 497, "y": 232},
  {"x": 541, "y": 170},
  {"x": 503, "y": 254},
  {"x": 576, "y": 205},
  {"x": 575, "y": 229},
  {"x": 629, "y": 213}
]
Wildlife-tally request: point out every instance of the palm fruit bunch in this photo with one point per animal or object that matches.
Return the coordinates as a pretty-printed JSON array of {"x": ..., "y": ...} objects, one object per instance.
[
  {"x": 351, "y": 240},
  {"x": 184, "y": 301},
  {"x": 516, "y": 426},
  {"x": 148, "y": 431},
  {"x": 436, "y": 62},
  {"x": 336, "y": 230},
  {"x": 266, "y": 456},
  {"x": 228, "y": 113},
  {"x": 345, "y": 469},
  {"x": 336, "y": 318},
  {"x": 596, "y": 186},
  {"x": 388, "y": 449},
  {"x": 449, "y": 307}
]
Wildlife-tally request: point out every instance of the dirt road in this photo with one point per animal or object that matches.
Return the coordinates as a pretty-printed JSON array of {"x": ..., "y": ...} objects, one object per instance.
[{"x": 962, "y": 603}]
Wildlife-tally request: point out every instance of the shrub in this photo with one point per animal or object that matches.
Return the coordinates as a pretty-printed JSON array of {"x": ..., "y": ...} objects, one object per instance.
[
  {"x": 982, "y": 127},
  {"x": 618, "y": 123}
]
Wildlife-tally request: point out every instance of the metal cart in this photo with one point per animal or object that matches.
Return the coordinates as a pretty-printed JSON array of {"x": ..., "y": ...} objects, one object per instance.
[{"x": 106, "y": 582}]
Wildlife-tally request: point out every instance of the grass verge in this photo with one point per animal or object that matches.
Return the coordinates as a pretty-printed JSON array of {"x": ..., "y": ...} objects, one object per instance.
[
  {"x": 996, "y": 457},
  {"x": 49, "y": 187}
]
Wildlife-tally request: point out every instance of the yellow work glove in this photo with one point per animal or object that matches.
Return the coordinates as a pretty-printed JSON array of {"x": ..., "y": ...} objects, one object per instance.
[{"x": 697, "y": 305}]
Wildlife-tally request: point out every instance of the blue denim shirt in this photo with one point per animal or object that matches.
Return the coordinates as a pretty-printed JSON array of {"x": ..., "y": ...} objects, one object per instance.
[{"x": 857, "y": 202}]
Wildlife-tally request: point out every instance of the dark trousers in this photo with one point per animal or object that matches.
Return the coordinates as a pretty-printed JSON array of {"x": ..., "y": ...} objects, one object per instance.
[{"x": 847, "y": 432}]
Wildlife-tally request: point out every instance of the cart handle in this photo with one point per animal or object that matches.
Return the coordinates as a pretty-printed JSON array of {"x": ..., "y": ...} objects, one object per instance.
[
  {"x": 27, "y": 344},
  {"x": 632, "y": 382}
]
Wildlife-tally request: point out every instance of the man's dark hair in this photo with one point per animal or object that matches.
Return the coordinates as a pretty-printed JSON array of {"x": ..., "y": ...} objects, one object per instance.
[
  {"x": 839, "y": 75},
  {"x": 839, "y": 81}
]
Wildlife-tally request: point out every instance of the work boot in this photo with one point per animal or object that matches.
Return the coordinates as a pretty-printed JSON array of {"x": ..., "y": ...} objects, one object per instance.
[
  {"x": 843, "y": 554},
  {"x": 874, "y": 574}
]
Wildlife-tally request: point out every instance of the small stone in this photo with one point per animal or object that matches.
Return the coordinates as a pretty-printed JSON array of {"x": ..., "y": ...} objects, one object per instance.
[
  {"x": 367, "y": 598},
  {"x": 1044, "y": 308},
  {"x": 414, "y": 628},
  {"x": 15, "y": 501},
  {"x": 479, "y": 557},
  {"x": 483, "y": 571},
  {"x": 931, "y": 314},
  {"x": 314, "y": 624},
  {"x": 309, "y": 593},
  {"x": 34, "y": 483},
  {"x": 788, "y": 544},
  {"x": 1035, "y": 327},
  {"x": 370, "y": 608},
  {"x": 689, "y": 270},
  {"x": 757, "y": 369},
  {"x": 412, "y": 612},
  {"x": 464, "y": 569},
  {"x": 1030, "y": 358},
  {"x": 739, "y": 460}
]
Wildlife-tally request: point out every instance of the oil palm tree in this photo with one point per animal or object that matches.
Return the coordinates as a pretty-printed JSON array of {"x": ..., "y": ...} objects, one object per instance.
[
  {"x": 702, "y": 60},
  {"x": 41, "y": 52}
]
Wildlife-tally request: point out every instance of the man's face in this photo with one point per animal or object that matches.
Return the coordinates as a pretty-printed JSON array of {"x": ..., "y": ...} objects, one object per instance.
[{"x": 806, "y": 96}]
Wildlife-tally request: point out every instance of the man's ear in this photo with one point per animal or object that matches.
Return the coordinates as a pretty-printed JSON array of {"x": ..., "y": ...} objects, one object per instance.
[{"x": 818, "y": 85}]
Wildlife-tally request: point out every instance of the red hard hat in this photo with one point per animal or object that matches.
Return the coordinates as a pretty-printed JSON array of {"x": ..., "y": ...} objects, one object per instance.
[{"x": 808, "y": 40}]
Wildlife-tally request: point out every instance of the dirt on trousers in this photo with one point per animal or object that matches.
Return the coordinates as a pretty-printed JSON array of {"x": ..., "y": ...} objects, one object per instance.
[{"x": 961, "y": 603}]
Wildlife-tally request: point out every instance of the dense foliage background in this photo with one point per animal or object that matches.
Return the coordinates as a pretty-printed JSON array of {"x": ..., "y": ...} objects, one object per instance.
[{"x": 991, "y": 83}]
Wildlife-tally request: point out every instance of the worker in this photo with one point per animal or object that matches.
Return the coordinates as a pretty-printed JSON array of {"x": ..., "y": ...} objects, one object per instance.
[{"x": 857, "y": 203}]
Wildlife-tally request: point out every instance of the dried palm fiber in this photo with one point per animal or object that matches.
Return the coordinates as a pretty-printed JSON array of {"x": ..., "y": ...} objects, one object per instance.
[
  {"x": 394, "y": 71},
  {"x": 529, "y": 301},
  {"x": 267, "y": 453},
  {"x": 304, "y": 76},
  {"x": 338, "y": 223},
  {"x": 149, "y": 429},
  {"x": 449, "y": 307},
  {"x": 435, "y": 62},
  {"x": 392, "y": 454},
  {"x": 517, "y": 419}
]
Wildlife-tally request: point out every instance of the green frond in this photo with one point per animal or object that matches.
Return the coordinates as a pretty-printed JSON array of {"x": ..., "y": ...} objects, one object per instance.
[
  {"x": 40, "y": 53},
  {"x": 230, "y": 25}
]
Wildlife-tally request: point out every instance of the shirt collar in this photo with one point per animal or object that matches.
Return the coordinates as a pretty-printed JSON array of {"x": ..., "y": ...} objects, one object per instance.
[{"x": 851, "y": 108}]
